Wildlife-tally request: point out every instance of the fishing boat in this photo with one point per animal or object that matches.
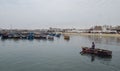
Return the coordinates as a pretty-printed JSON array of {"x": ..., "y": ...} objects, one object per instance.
[
  {"x": 96, "y": 51},
  {"x": 23, "y": 36},
  {"x": 30, "y": 36},
  {"x": 58, "y": 35},
  {"x": 66, "y": 37},
  {"x": 37, "y": 36},
  {"x": 16, "y": 36},
  {"x": 43, "y": 37},
  {"x": 52, "y": 34},
  {"x": 4, "y": 36},
  {"x": 50, "y": 38}
]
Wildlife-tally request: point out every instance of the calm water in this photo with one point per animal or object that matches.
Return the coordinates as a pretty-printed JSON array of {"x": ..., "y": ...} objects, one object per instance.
[{"x": 58, "y": 55}]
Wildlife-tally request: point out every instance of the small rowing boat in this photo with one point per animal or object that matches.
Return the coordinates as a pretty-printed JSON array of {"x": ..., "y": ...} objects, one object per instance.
[{"x": 96, "y": 51}]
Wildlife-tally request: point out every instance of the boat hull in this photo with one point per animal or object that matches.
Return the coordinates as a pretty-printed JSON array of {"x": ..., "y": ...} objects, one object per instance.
[{"x": 99, "y": 52}]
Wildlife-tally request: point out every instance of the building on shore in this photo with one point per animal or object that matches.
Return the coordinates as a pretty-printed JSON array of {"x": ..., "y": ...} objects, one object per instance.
[
  {"x": 117, "y": 28},
  {"x": 103, "y": 29},
  {"x": 55, "y": 29}
]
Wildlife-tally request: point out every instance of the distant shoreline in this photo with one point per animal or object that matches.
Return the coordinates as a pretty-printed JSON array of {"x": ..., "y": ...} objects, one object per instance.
[{"x": 92, "y": 34}]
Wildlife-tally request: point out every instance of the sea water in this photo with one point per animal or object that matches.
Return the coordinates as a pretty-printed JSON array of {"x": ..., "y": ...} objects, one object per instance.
[{"x": 58, "y": 55}]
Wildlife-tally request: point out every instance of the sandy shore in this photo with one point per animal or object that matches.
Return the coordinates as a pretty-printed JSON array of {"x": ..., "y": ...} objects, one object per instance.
[{"x": 93, "y": 34}]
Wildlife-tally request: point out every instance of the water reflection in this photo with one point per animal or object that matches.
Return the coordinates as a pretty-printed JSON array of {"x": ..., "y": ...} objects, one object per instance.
[
  {"x": 104, "y": 40},
  {"x": 94, "y": 57},
  {"x": 118, "y": 40}
]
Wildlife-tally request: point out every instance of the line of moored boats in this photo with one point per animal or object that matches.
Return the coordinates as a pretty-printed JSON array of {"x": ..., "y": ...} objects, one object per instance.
[{"x": 30, "y": 35}]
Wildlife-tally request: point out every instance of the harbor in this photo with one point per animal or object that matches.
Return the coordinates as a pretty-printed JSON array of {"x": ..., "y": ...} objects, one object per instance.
[
  {"x": 59, "y": 35},
  {"x": 58, "y": 49},
  {"x": 30, "y": 35},
  {"x": 102, "y": 31},
  {"x": 58, "y": 54}
]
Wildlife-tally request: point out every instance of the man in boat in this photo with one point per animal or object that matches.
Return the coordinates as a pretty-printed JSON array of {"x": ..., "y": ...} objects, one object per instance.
[{"x": 92, "y": 47}]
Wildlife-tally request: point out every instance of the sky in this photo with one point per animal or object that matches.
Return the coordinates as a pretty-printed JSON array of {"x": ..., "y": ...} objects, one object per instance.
[{"x": 42, "y": 14}]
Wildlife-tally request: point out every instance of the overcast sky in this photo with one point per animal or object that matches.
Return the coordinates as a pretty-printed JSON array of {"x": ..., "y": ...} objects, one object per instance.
[{"x": 35, "y": 14}]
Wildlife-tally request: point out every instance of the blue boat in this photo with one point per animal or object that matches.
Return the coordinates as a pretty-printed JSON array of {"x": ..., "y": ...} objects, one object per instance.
[
  {"x": 30, "y": 36},
  {"x": 52, "y": 34},
  {"x": 58, "y": 35}
]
